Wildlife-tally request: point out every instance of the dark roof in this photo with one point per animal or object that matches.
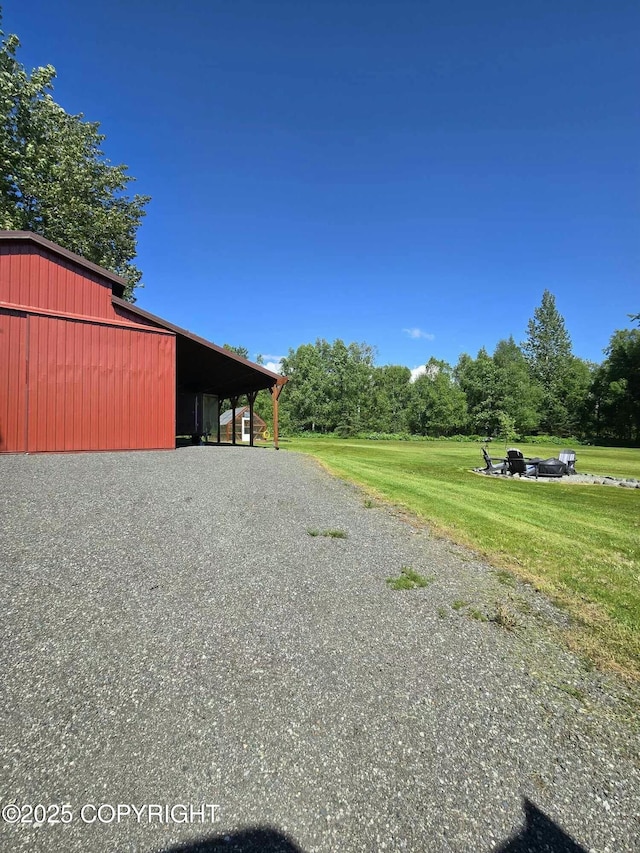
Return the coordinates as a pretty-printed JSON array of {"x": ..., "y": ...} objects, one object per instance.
[
  {"x": 205, "y": 367},
  {"x": 118, "y": 284},
  {"x": 225, "y": 417}
]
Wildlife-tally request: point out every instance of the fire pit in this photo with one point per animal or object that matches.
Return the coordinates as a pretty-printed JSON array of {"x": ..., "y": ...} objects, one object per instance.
[{"x": 551, "y": 468}]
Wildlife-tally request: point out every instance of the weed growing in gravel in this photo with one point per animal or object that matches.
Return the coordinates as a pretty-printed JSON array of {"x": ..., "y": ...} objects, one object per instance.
[
  {"x": 442, "y": 613},
  {"x": 368, "y": 503},
  {"x": 333, "y": 534},
  {"x": 474, "y": 613},
  {"x": 575, "y": 692},
  {"x": 523, "y": 606},
  {"x": 505, "y": 577},
  {"x": 409, "y": 579},
  {"x": 504, "y": 618},
  {"x": 464, "y": 558},
  {"x": 471, "y": 612},
  {"x": 588, "y": 665}
]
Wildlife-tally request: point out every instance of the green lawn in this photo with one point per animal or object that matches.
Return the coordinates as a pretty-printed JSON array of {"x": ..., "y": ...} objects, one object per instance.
[{"x": 578, "y": 543}]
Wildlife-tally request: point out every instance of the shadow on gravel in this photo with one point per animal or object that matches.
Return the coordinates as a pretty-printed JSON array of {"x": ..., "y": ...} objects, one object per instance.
[
  {"x": 261, "y": 839},
  {"x": 539, "y": 835}
]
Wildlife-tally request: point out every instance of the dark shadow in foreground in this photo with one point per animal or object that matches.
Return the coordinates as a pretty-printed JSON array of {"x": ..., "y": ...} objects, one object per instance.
[
  {"x": 259, "y": 839},
  {"x": 539, "y": 835}
]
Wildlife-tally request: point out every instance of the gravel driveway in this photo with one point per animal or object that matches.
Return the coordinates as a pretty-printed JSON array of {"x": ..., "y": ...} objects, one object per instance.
[{"x": 172, "y": 635}]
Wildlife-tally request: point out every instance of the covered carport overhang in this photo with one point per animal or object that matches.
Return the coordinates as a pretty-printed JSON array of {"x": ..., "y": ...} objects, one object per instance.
[{"x": 204, "y": 367}]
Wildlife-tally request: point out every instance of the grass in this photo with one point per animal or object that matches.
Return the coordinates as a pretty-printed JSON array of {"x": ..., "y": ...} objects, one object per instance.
[
  {"x": 474, "y": 613},
  {"x": 575, "y": 692},
  {"x": 408, "y": 579},
  {"x": 332, "y": 534},
  {"x": 578, "y": 544},
  {"x": 505, "y": 577}
]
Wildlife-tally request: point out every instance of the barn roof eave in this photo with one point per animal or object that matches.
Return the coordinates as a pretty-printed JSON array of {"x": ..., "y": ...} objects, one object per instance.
[{"x": 241, "y": 375}]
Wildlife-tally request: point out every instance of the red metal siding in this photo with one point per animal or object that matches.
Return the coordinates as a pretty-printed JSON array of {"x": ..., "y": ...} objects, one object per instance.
[
  {"x": 32, "y": 276},
  {"x": 130, "y": 317},
  {"x": 13, "y": 381},
  {"x": 86, "y": 379},
  {"x": 99, "y": 387}
]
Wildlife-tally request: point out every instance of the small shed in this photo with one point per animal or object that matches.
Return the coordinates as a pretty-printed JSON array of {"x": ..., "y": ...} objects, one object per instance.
[{"x": 243, "y": 432}]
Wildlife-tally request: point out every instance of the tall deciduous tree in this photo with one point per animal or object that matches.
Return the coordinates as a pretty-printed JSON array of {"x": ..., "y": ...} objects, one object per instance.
[
  {"x": 54, "y": 178},
  {"x": 579, "y": 379},
  {"x": 499, "y": 389},
  {"x": 437, "y": 405},
  {"x": 391, "y": 394},
  {"x": 350, "y": 388},
  {"x": 330, "y": 387},
  {"x": 616, "y": 388},
  {"x": 305, "y": 405},
  {"x": 517, "y": 394},
  {"x": 547, "y": 349},
  {"x": 477, "y": 380}
]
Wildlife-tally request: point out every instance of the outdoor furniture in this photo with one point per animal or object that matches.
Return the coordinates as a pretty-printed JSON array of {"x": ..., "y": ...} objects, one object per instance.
[
  {"x": 495, "y": 465},
  {"x": 517, "y": 464},
  {"x": 552, "y": 468},
  {"x": 569, "y": 459}
]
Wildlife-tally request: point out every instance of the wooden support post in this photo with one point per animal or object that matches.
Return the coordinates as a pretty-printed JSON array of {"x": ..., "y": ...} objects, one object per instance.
[
  {"x": 219, "y": 401},
  {"x": 234, "y": 403},
  {"x": 252, "y": 398},
  {"x": 275, "y": 393}
]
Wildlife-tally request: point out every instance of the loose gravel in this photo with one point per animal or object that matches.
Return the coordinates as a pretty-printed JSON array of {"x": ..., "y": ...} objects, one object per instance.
[{"x": 172, "y": 634}]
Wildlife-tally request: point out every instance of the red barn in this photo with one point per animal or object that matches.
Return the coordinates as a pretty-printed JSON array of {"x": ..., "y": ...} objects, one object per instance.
[{"x": 81, "y": 369}]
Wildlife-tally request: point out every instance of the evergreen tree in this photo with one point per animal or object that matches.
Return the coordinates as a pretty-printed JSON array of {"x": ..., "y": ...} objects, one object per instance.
[{"x": 547, "y": 349}]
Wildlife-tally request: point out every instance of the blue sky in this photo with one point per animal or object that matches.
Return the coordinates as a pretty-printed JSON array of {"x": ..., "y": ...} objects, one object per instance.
[{"x": 409, "y": 174}]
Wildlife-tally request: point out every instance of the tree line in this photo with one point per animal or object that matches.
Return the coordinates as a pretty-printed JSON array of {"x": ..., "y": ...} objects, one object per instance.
[{"x": 536, "y": 387}]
